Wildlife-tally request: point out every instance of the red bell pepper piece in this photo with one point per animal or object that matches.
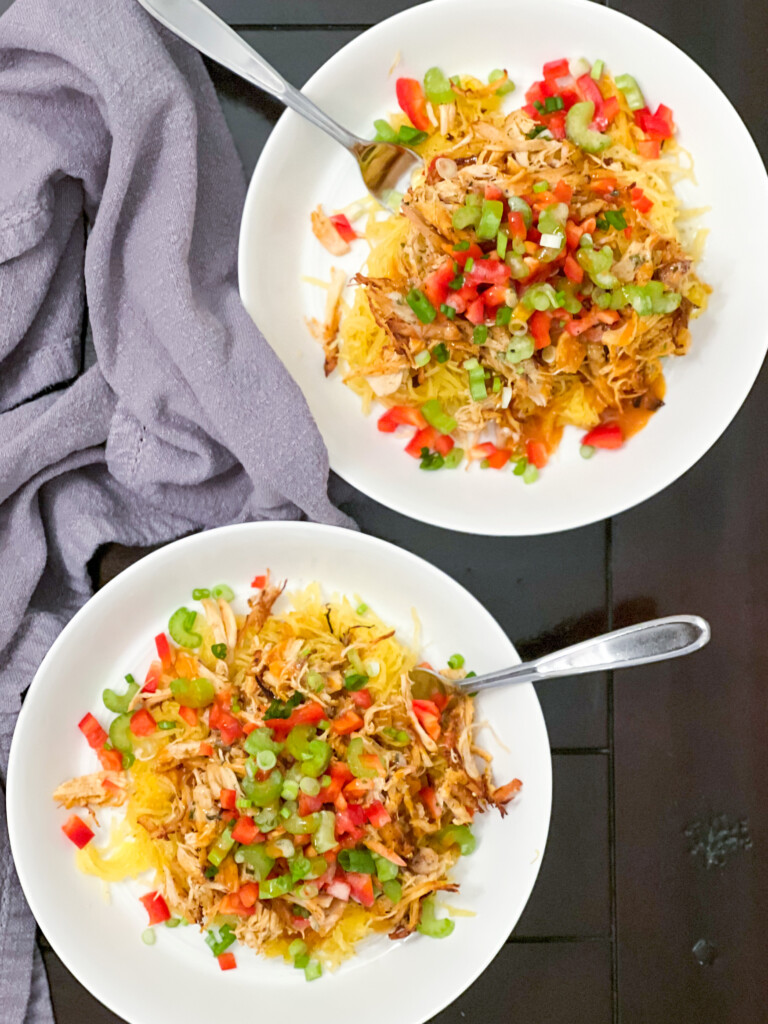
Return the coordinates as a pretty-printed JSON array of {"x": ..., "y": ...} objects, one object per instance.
[
  {"x": 435, "y": 286},
  {"x": 74, "y": 828},
  {"x": 413, "y": 102},
  {"x": 258, "y": 582},
  {"x": 227, "y": 961},
  {"x": 516, "y": 223},
  {"x": 228, "y": 799},
  {"x": 400, "y": 416},
  {"x": 537, "y": 453},
  {"x": 610, "y": 110},
  {"x": 156, "y": 907},
  {"x": 246, "y": 831},
  {"x": 142, "y": 723},
  {"x": 573, "y": 233},
  {"x": 111, "y": 786},
  {"x": 377, "y": 814},
  {"x": 342, "y": 225},
  {"x": 498, "y": 459},
  {"x": 189, "y": 715},
  {"x": 573, "y": 271},
  {"x": 443, "y": 444},
  {"x": 346, "y": 723},
  {"x": 640, "y": 200},
  {"x": 111, "y": 760},
  {"x": 659, "y": 125},
  {"x": 556, "y": 124},
  {"x": 538, "y": 325},
  {"x": 152, "y": 677},
  {"x": 555, "y": 69},
  {"x": 604, "y": 185},
  {"x": 361, "y": 887},
  {"x": 649, "y": 149},
  {"x": 92, "y": 731},
  {"x": 562, "y": 192},
  {"x": 591, "y": 92},
  {"x": 362, "y": 698},
  {"x": 496, "y": 295},
  {"x": 428, "y": 798},
  {"x": 476, "y": 311},
  {"x": 428, "y": 713},
  {"x": 604, "y": 435},
  {"x": 248, "y": 893},
  {"x": 424, "y": 438},
  {"x": 349, "y": 821},
  {"x": 205, "y": 749},
  {"x": 163, "y": 650}
]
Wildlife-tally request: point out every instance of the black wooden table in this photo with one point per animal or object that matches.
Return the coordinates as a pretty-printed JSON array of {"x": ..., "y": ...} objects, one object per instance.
[{"x": 652, "y": 902}]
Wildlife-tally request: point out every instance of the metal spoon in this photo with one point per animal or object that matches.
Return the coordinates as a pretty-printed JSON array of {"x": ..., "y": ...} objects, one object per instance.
[
  {"x": 656, "y": 640},
  {"x": 382, "y": 164}
]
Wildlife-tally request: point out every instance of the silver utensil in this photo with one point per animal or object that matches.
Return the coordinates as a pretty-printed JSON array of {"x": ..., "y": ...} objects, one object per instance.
[
  {"x": 641, "y": 644},
  {"x": 382, "y": 164}
]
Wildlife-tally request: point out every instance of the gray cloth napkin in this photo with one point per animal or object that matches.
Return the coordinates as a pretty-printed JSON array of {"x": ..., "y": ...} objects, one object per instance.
[{"x": 120, "y": 187}]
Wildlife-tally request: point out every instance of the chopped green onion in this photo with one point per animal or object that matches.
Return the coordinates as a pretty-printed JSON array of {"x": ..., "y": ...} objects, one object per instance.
[
  {"x": 219, "y": 943},
  {"x": 283, "y": 708},
  {"x": 437, "y": 87},
  {"x": 631, "y": 90},
  {"x": 456, "y": 661},
  {"x": 266, "y": 760},
  {"x": 541, "y": 186},
  {"x": 355, "y": 680},
  {"x": 503, "y": 316},
  {"x": 224, "y": 592},
  {"x": 421, "y": 306},
  {"x": 536, "y": 131},
  {"x": 297, "y": 947},
  {"x": 491, "y": 213},
  {"x": 520, "y": 348},
  {"x": 433, "y": 413},
  {"x": 173, "y": 922},
  {"x": 384, "y": 131},
  {"x": 180, "y": 626},
  {"x": 531, "y": 474},
  {"x": 553, "y": 103},
  {"x": 440, "y": 352},
  {"x": 290, "y": 790},
  {"x": 520, "y": 467},
  {"x": 148, "y": 937},
  {"x": 309, "y": 786},
  {"x": 361, "y": 609},
  {"x": 315, "y": 681},
  {"x": 398, "y": 736},
  {"x": 505, "y": 87},
  {"x": 461, "y": 246},
  {"x": 476, "y": 380},
  {"x": 453, "y": 459},
  {"x": 430, "y": 924},
  {"x": 615, "y": 218},
  {"x": 431, "y": 460},
  {"x": 313, "y": 970},
  {"x": 272, "y": 888},
  {"x": 357, "y": 860},
  {"x": 221, "y": 847},
  {"x": 219, "y": 651},
  {"x": 408, "y": 136},
  {"x": 393, "y": 890},
  {"x": 480, "y": 334},
  {"x": 166, "y": 724},
  {"x": 586, "y": 451},
  {"x": 199, "y": 593},
  {"x": 422, "y": 358},
  {"x": 597, "y": 70}
]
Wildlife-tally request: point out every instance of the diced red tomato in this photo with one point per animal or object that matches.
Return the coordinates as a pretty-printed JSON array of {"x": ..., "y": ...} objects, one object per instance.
[
  {"x": 498, "y": 460},
  {"x": 538, "y": 325},
  {"x": 554, "y": 69},
  {"x": 340, "y": 889},
  {"x": 428, "y": 798},
  {"x": 443, "y": 444},
  {"x": 142, "y": 723},
  {"x": 435, "y": 286},
  {"x": 400, "y": 416},
  {"x": 440, "y": 700},
  {"x": 493, "y": 192},
  {"x": 424, "y": 438},
  {"x": 659, "y": 125},
  {"x": 537, "y": 453},
  {"x": 640, "y": 200},
  {"x": 248, "y": 893},
  {"x": 573, "y": 271},
  {"x": 516, "y": 223},
  {"x": 92, "y": 731},
  {"x": 226, "y": 723},
  {"x": 206, "y": 750},
  {"x": 461, "y": 256},
  {"x": 111, "y": 760},
  {"x": 556, "y": 124},
  {"x": 591, "y": 92},
  {"x": 189, "y": 715},
  {"x": 258, "y": 582},
  {"x": 604, "y": 435},
  {"x": 349, "y": 823},
  {"x": 357, "y": 789},
  {"x": 228, "y": 799},
  {"x": 346, "y": 723},
  {"x": 340, "y": 773},
  {"x": 342, "y": 225},
  {"x": 573, "y": 234},
  {"x": 74, "y": 828},
  {"x": 361, "y": 887},
  {"x": 377, "y": 814},
  {"x": 227, "y": 961},
  {"x": 152, "y": 677},
  {"x": 428, "y": 713},
  {"x": 309, "y": 804},
  {"x": 490, "y": 271},
  {"x": 610, "y": 110},
  {"x": 604, "y": 185},
  {"x": 496, "y": 295},
  {"x": 163, "y": 650},
  {"x": 156, "y": 907},
  {"x": 246, "y": 831},
  {"x": 562, "y": 192},
  {"x": 227, "y": 816},
  {"x": 476, "y": 311},
  {"x": 112, "y": 787},
  {"x": 231, "y": 904},
  {"x": 413, "y": 102},
  {"x": 362, "y": 698},
  {"x": 649, "y": 149}
]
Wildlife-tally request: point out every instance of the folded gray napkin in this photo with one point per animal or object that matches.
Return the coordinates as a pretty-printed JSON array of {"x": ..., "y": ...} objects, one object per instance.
[{"x": 120, "y": 188}]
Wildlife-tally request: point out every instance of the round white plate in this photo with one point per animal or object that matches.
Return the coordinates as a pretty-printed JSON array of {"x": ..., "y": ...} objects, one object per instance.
[
  {"x": 177, "y": 978},
  {"x": 300, "y": 167}
]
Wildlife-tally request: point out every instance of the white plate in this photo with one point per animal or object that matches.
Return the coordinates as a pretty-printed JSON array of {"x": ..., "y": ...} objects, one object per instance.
[
  {"x": 705, "y": 389},
  {"x": 178, "y": 979}
]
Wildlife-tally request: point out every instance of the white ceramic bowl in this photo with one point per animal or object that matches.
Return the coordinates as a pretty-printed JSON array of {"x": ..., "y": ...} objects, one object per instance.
[
  {"x": 178, "y": 979},
  {"x": 705, "y": 389}
]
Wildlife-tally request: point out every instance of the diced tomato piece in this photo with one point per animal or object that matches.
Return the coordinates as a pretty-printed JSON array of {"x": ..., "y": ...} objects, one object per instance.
[
  {"x": 605, "y": 435},
  {"x": 428, "y": 798},
  {"x": 226, "y": 723},
  {"x": 346, "y": 723},
  {"x": 537, "y": 453},
  {"x": 490, "y": 271},
  {"x": 538, "y": 325},
  {"x": 163, "y": 650},
  {"x": 142, "y": 723},
  {"x": 493, "y": 192},
  {"x": 435, "y": 286},
  {"x": 309, "y": 804},
  {"x": 443, "y": 444},
  {"x": 440, "y": 700},
  {"x": 156, "y": 907},
  {"x": 227, "y": 816},
  {"x": 498, "y": 460},
  {"x": 562, "y": 192},
  {"x": 347, "y": 822},
  {"x": 482, "y": 451},
  {"x": 227, "y": 961},
  {"x": 604, "y": 185},
  {"x": 401, "y": 416},
  {"x": 496, "y": 295},
  {"x": 206, "y": 750},
  {"x": 426, "y": 712},
  {"x": 649, "y": 149},
  {"x": 424, "y": 438},
  {"x": 342, "y": 225},
  {"x": 556, "y": 124},
  {"x": 246, "y": 831},
  {"x": 152, "y": 677},
  {"x": 189, "y": 715},
  {"x": 665, "y": 114},
  {"x": 377, "y": 814},
  {"x": 361, "y": 887},
  {"x": 413, "y": 102},
  {"x": 340, "y": 889},
  {"x": 231, "y": 904},
  {"x": 610, "y": 110},
  {"x": 92, "y": 731},
  {"x": 74, "y": 828},
  {"x": 463, "y": 255},
  {"x": 591, "y": 92},
  {"x": 362, "y": 698},
  {"x": 248, "y": 893},
  {"x": 476, "y": 311},
  {"x": 111, "y": 760},
  {"x": 516, "y": 223},
  {"x": 112, "y": 787},
  {"x": 258, "y": 582},
  {"x": 357, "y": 789},
  {"x": 573, "y": 234},
  {"x": 656, "y": 125},
  {"x": 573, "y": 271},
  {"x": 536, "y": 94},
  {"x": 555, "y": 69},
  {"x": 340, "y": 773},
  {"x": 640, "y": 200},
  {"x": 426, "y": 705},
  {"x": 228, "y": 799}
]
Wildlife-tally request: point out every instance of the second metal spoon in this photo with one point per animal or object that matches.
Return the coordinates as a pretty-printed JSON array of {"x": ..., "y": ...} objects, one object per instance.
[
  {"x": 645, "y": 642},
  {"x": 382, "y": 164}
]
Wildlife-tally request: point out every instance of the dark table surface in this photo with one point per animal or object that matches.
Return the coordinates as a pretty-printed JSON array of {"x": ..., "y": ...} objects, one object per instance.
[{"x": 652, "y": 901}]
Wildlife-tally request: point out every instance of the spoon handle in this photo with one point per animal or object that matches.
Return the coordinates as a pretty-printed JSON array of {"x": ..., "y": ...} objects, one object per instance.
[
  {"x": 197, "y": 25},
  {"x": 645, "y": 642}
]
